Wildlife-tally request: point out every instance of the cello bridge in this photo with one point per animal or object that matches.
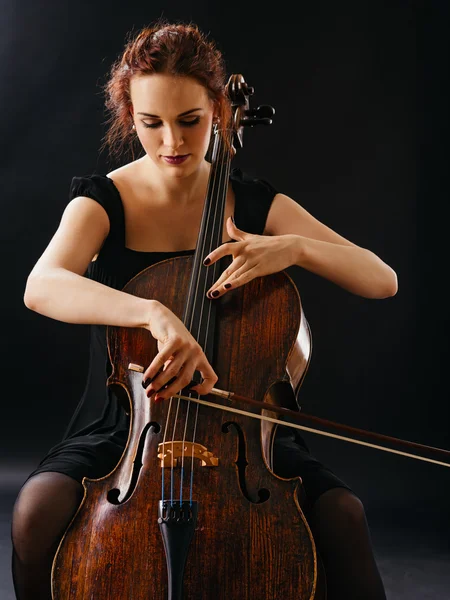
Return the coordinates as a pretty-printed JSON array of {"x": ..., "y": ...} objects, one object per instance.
[{"x": 170, "y": 452}]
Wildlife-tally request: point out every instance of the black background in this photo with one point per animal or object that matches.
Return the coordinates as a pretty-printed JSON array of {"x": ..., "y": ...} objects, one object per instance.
[{"x": 359, "y": 139}]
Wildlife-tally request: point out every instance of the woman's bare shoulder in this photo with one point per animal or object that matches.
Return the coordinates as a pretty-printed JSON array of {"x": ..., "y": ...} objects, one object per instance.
[{"x": 126, "y": 173}]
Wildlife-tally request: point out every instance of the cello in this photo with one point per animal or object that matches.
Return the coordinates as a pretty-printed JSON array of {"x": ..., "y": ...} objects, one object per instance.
[{"x": 193, "y": 509}]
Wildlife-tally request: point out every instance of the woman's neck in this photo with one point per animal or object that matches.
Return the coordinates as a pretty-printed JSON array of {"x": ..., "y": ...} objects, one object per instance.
[{"x": 176, "y": 191}]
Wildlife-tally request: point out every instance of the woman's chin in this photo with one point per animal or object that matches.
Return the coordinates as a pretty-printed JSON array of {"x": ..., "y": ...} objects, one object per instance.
[{"x": 180, "y": 171}]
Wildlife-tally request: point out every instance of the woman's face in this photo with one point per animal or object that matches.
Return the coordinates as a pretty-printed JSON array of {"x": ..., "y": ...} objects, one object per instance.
[{"x": 173, "y": 118}]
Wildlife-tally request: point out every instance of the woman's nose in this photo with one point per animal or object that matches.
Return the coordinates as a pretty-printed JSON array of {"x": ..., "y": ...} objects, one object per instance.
[{"x": 172, "y": 138}]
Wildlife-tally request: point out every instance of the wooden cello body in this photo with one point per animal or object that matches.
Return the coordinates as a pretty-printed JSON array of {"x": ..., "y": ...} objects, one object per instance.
[{"x": 193, "y": 510}]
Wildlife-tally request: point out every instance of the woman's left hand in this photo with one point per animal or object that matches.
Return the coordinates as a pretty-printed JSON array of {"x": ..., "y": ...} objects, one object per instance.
[{"x": 253, "y": 256}]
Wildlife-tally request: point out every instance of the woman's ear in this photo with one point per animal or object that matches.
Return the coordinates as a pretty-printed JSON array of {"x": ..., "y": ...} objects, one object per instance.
[{"x": 216, "y": 113}]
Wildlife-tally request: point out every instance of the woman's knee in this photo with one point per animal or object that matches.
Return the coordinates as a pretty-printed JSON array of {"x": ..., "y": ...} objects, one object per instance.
[
  {"x": 42, "y": 511},
  {"x": 343, "y": 505},
  {"x": 349, "y": 507}
]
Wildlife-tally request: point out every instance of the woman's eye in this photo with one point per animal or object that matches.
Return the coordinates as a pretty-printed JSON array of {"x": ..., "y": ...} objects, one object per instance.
[
  {"x": 191, "y": 122},
  {"x": 184, "y": 123}
]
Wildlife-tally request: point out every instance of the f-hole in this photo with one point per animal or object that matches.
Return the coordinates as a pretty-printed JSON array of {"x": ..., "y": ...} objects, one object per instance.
[
  {"x": 113, "y": 495},
  {"x": 262, "y": 494}
]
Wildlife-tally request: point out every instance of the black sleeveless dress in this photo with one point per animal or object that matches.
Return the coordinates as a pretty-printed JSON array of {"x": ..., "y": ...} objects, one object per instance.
[{"x": 96, "y": 436}]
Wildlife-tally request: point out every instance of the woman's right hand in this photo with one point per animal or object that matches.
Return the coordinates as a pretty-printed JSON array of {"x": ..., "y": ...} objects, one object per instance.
[{"x": 179, "y": 356}]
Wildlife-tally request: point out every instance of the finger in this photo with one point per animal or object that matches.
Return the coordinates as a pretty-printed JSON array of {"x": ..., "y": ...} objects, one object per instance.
[
  {"x": 241, "y": 277},
  {"x": 238, "y": 263},
  {"x": 146, "y": 381},
  {"x": 157, "y": 364},
  {"x": 206, "y": 386},
  {"x": 168, "y": 375},
  {"x": 228, "y": 278},
  {"x": 209, "y": 378},
  {"x": 181, "y": 381},
  {"x": 220, "y": 252}
]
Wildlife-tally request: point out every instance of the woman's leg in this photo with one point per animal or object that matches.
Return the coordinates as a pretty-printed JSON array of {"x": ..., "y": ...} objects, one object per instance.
[
  {"x": 43, "y": 509},
  {"x": 339, "y": 526}
]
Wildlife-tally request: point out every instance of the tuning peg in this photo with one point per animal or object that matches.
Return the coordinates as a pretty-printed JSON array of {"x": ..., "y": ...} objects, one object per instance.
[
  {"x": 262, "y": 112},
  {"x": 265, "y": 111},
  {"x": 258, "y": 116}
]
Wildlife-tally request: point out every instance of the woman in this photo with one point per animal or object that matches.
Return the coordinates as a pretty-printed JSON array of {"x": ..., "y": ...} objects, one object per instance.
[{"x": 166, "y": 92}]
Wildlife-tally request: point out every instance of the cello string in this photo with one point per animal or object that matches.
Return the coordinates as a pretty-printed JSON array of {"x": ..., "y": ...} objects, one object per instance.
[
  {"x": 187, "y": 412},
  {"x": 215, "y": 192},
  {"x": 211, "y": 186},
  {"x": 191, "y": 482},
  {"x": 172, "y": 469},
  {"x": 224, "y": 164},
  {"x": 186, "y": 421},
  {"x": 164, "y": 448},
  {"x": 211, "y": 275}
]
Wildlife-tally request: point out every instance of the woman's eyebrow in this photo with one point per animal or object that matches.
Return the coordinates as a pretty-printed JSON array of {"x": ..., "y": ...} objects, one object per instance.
[{"x": 183, "y": 114}]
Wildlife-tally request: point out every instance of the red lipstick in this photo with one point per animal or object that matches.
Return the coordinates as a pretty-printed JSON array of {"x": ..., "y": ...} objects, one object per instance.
[{"x": 176, "y": 160}]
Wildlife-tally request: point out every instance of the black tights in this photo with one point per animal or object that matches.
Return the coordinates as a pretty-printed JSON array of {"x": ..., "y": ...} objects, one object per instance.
[
  {"x": 339, "y": 526},
  {"x": 43, "y": 509},
  {"x": 48, "y": 501}
]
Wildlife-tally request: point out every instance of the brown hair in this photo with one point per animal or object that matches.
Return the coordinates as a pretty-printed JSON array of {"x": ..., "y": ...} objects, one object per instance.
[{"x": 175, "y": 49}]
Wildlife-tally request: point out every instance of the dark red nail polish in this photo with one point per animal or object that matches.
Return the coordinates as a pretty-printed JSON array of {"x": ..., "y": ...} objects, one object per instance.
[
  {"x": 206, "y": 261},
  {"x": 227, "y": 286},
  {"x": 215, "y": 293}
]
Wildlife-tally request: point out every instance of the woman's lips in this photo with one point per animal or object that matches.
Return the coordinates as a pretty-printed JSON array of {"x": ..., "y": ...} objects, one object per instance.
[{"x": 176, "y": 160}]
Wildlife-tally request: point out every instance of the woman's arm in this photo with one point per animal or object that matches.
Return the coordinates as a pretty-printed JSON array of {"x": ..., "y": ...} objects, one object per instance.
[
  {"x": 353, "y": 268},
  {"x": 57, "y": 288},
  {"x": 324, "y": 252}
]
